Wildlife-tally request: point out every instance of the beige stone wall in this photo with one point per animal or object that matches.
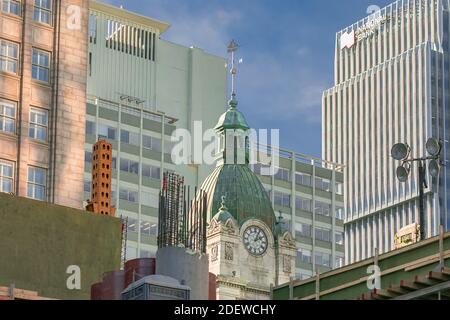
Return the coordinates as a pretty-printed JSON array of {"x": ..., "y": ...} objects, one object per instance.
[
  {"x": 71, "y": 116},
  {"x": 71, "y": 92}
]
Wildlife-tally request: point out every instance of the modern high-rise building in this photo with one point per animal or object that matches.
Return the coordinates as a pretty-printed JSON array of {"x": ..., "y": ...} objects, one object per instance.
[
  {"x": 140, "y": 88},
  {"x": 308, "y": 194},
  {"x": 391, "y": 85},
  {"x": 43, "y": 63}
]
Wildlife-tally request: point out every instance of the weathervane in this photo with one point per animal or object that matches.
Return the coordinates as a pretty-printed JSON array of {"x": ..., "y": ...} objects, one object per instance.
[{"x": 232, "y": 48}]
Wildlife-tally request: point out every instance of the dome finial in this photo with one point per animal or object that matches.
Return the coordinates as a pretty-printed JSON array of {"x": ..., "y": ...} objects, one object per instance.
[{"x": 232, "y": 48}]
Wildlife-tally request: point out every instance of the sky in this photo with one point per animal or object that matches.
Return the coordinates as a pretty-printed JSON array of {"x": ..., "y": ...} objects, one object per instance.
[{"x": 287, "y": 48}]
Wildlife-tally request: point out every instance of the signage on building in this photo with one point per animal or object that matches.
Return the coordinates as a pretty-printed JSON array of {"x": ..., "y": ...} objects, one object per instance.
[{"x": 349, "y": 39}]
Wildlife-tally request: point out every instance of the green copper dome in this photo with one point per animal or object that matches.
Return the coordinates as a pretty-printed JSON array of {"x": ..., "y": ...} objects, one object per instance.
[
  {"x": 232, "y": 119},
  {"x": 246, "y": 197}
]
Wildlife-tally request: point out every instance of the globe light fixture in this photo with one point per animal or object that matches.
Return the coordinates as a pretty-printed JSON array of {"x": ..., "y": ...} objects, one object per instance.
[
  {"x": 433, "y": 147},
  {"x": 403, "y": 172},
  {"x": 400, "y": 151},
  {"x": 434, "y": 168}
]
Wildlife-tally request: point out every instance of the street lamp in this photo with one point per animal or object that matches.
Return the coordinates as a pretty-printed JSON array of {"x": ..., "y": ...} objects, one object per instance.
[{"x": 401, "y": 152}]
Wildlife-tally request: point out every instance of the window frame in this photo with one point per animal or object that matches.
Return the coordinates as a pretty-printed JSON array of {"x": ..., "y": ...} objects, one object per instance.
[
  {"x": 34, "y": 183},
  {"x": 3, "y": 177},
  {"x": 40, "y": 9},
  {"x": 33, "y": 124},
  {"x": 19, "y": 4},
  {"x": 4, "y": 117},
  {"x": 39, "y": 66},
  {"x": 9, "y": 58}
]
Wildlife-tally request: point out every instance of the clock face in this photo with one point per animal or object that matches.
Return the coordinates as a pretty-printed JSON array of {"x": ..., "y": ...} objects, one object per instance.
[{"x": 255, "y": 241}]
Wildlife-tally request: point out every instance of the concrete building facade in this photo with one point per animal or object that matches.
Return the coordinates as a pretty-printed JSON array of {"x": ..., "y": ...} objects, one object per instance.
[
  {"x": 391, "y": 86},
  {"x": 136, "y": 83},
  {"x": 43, "y": 62},
  {"x": 309, "y": 194}
]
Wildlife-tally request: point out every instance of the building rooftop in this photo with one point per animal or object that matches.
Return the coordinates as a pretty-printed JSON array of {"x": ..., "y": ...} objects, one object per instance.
[{"x": 129, "y": 15}]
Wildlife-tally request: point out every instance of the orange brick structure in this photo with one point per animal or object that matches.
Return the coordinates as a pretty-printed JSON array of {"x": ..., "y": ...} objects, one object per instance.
[{"x": 100, "y": 201}]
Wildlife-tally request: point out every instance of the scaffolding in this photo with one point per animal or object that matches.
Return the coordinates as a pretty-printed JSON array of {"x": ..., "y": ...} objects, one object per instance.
[{"x": 182, "y": 221}]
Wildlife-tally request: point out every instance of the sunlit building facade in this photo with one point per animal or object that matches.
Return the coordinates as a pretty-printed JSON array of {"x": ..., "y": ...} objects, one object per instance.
[
  {"x": 391, "y": 85},
  {"x": 307, "y": 193},
  {"x": 136, "y": 83},
  {"x": 43, "y": 61}
]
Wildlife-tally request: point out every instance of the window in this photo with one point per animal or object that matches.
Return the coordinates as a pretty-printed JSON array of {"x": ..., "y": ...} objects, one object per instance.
[
  {"x": 303, "y": 204},
  {"x": 43, "y": 11},
  {"x": 9, "y": 56},
  {"x": 87, "y": 186},
  {"x": 149, "y": 199},
  {"x": 129, "y": 166},
  {"x": 339, "y": 213},
  {"x": 303, "y": 230},
  {"x": 90, "y": 127},
  {"x": 282, "y": 199},
  {"x": 149, "y": 229},
  {"x": 6, "y": 176},
  {"x": 339, "y": 238},
  {"x": 88, "y": 156},
  {"x": 11, "y": 6},
  {"x": 132, "y": 225},
  {"x": 304, "y": 255},
  {"x": 38, "y": 124},
  {"x": 323, "y": 184},
  {"x": 7, "y": 117},
  {"x": 282, "y": 174},
  {"x": 322, "y": 208},
  {"x": 339, "y": 262},
  {"x": 93, "y": 29},
  {"x": 323, "y": 234},
  {"x": 151, "y": 171},
  {"x": 151, "y": 143},
  {"x": 129, "y": 195},
  {"x": 303, "y": 179},
  {"x": 130, "y": 138},
  {"x": 36, "y": 183},
  {"x": 168, "y": 146},
  {"x": 323, "y": 259},
  {"x": 41, "y": 65},
  {"x": 339, "y": 188},
  {"x": 105, "y": 132}
]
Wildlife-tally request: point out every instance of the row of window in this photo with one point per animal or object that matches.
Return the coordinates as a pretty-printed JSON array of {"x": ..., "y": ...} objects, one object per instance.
[
  {"x": 42, "y": 11},
  {"x": 38, "y": 121},
  {"x": 321, "y": 259},
  {"x": 305, "y": 230},
  {"x": 322, "y": 208},
  {"x": 146, "y": 198},
  {"x": 302, "y": 179},
  {"x": 36, "y": 184},
  {"x": 146, "y": 228},
  {"x": 9, "y": 61},
  {"x": 128, "y": 137},
  {"x": 130, "y": 166}
]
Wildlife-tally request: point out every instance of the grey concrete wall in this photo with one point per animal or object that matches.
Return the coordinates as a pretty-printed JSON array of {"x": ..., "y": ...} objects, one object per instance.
[{"x": 191, "y": 268}]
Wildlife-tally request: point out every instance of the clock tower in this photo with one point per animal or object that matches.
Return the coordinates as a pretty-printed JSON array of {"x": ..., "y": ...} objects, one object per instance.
[{"x": 247, "y": 250}]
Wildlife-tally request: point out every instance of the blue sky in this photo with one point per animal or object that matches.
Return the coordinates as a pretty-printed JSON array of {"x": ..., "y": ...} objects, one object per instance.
[{"x": 287, "y": 47}]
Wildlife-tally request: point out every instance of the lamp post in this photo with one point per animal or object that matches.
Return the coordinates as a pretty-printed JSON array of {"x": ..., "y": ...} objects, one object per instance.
[{"x": 401, "y": 152}]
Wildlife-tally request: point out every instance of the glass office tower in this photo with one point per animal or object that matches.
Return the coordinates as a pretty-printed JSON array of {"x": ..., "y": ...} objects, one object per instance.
[{"x": 391, "y": 85}]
